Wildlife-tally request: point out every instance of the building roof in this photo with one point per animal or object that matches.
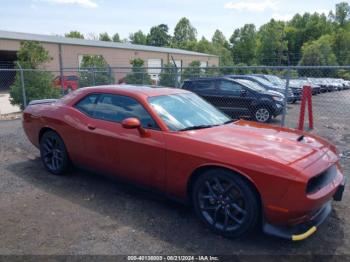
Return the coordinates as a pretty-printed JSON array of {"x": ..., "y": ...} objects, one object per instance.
[{"x": 83, "y": 42}]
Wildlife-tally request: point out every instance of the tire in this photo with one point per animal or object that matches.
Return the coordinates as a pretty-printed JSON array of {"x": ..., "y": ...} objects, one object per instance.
[
  {"x": 53, "y": 153},
  {"x": 228, "y": 197},
  {"x": 262, "y": 114}
]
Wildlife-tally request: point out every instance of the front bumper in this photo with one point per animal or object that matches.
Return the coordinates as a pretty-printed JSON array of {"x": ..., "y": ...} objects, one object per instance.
[
  {"x": 304, "y": 230},
  {"x": 300, "y": 231}
]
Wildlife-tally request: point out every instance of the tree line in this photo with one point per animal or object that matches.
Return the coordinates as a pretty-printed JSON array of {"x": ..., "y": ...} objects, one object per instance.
[{"x": 306, "y": 39}]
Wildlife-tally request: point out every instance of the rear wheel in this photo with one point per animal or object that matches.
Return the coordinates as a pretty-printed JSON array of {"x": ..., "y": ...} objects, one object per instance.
[
  {"x": 53, "y": 153},
  {"x": 262, "y": 114},
  {"x": 225, "y": 203}
]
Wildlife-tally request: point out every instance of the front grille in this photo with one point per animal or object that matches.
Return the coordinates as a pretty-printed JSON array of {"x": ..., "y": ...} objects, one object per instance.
[{"x": 318, "y": 182}]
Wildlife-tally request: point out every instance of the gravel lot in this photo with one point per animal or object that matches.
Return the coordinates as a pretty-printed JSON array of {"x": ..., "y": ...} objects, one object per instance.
[{"x": 84, "y": 213}]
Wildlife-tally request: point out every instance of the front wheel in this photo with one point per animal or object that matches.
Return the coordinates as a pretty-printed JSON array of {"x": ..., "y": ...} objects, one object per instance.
[
  {"x": 225, "y": 203},
  {"x": 262, "y": 114},
  {"x": 53, "y": 153}
]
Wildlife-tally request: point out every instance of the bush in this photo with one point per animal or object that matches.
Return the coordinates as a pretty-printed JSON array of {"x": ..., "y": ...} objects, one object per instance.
[
  {"x": 168, "y": 77},
  {"x": 96, "y": 71},
  {"x": 38, "y": 84},
  {"x": 138, "y": 74}
]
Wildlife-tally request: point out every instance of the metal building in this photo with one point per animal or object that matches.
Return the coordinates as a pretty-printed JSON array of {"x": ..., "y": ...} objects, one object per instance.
[{"x": 71, "y": 51}]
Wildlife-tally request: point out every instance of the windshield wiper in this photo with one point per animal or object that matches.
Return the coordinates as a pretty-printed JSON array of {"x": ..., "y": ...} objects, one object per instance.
[
  {"x": 196, "y": 127},
  {"x": 229, "y": 121}
]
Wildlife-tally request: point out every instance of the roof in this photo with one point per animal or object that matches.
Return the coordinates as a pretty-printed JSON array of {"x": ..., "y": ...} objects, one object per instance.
[
  {"x": 147, "y": 91},
  {"x": 83, "y": 42}
]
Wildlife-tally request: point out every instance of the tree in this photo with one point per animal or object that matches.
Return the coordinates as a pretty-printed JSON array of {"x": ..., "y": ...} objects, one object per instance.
[
  {"x": 138, "y": 38},
  {"x": 74, "y": 34},
  {"x": 318, "y": 53},
  {"x": 138, "y": 73},
  {"x": 158, "y": 36},
  {"x": 272, "y": 46},
  {"x": 116, "y": 38},
  {"x": 219, "y": 39},
  {"x": 95, "y": 71},
  {"x": 38, "y": 84},
  {"x": 342, "y": 13},
  {"x": 193, "y": 70},
  {"x": 184, "y": 32},
  {"x": 105, "y": 37},
  {"x": 341, "y": 46},
  {"x": 244, "y": 42},
  {"x": 168, "y": 77}
]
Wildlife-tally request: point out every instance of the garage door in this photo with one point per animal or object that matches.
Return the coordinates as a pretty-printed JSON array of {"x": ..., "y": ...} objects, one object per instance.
[{"x": 154, "y": 63}]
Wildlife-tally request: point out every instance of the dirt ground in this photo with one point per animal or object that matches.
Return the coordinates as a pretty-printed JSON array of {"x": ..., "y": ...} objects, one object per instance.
[{"x": 84, "y": 213}]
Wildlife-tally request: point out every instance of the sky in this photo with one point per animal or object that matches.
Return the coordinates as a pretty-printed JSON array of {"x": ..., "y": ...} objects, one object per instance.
[{"x": 56, "y": 17}]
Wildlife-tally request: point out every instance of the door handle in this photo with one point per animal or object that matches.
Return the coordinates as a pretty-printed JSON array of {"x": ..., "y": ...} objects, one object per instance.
[{"x": 91, "y": 127}]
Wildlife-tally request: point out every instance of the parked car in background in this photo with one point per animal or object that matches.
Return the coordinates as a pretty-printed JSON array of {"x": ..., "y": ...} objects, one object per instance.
[
  {"x": 277, "y": 81},
  {"x": 267, "y": 85},
  {"x": 70, "y": 83},
  {"x": 236, "y": 175},
  {"x": 300, "y": 83},
  {"x": 238, "y": 97}
]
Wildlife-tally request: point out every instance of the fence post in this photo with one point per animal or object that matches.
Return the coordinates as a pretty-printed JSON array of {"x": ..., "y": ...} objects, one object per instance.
[
  {"x": 93, "y": 76},
  {"x": 22, "y": 84},
  {"x": 110, "y": 71},
  {"x": 283, "y": 122}
]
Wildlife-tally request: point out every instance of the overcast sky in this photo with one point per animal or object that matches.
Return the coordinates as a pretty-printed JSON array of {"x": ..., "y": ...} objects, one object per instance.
[{"x": 125, "y": 16}]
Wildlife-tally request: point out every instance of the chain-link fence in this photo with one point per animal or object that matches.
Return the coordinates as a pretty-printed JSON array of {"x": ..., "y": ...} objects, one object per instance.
[{"x": 263, "y": 94}]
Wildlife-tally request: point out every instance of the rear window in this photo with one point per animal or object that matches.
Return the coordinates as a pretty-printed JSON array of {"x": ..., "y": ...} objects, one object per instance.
[{"x": 72, "y": 78}]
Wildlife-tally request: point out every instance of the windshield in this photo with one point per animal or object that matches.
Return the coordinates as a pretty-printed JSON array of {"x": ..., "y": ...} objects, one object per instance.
[
  {"x": 262, "y": 80},
  {"x": 186, "y": 111},
  {"x": 251, "y": 85},
  {"x": 275, "y": 80}
]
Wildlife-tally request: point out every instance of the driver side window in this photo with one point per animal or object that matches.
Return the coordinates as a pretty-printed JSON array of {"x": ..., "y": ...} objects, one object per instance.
[
  {"x": 229, "y": 87},
  {"x": 117, "y": 108}
]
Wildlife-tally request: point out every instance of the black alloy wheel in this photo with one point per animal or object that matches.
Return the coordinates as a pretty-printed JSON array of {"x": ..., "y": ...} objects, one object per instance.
[
  {"x": 53, "y": 153},
  {"x": 226, "y": 203}
]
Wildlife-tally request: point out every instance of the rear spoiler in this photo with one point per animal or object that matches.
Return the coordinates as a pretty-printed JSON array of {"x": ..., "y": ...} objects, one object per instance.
[{"x": 42, "y": 101}]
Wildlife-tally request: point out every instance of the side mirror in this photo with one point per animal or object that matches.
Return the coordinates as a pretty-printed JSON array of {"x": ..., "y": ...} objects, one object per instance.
[{"x": 134, "y": 123}]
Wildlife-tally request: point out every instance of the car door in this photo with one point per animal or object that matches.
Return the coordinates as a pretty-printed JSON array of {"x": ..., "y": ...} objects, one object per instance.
[
  {"x": 234, "y": 98},
  {"x": 124, "y": 152}
]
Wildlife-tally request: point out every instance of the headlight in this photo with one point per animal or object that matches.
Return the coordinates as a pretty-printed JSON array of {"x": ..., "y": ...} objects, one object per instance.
[{"x": 278, "y": 98}]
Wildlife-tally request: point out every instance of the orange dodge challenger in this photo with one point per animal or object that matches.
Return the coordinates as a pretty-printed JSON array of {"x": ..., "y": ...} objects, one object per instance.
[{"x": 235, "y": 174}]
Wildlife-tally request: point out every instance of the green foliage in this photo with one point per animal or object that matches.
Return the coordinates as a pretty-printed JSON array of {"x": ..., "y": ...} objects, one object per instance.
[
  {"x": 138, "y": 38},
  {"x": 319, "y": 53},
  {"x": 95, "y": 71},
  {"x": 342, "y": 13},
  {"x": 105, "y": 37},
  {"x": 38, "y": 84},
  {"x": 158, "y": 36},
  {"x": 272, "y": 46},
  {"x": 138, "y": 74},
  {"x": 341, "y": 46},
  {"x": 184, "y": 32},
  {"x": 74, "y": 34},
  {"x": 168, "y": 77},
  {"x": 219, "y": 39},
  {"x": 193, "y": 70},
  {"x": 244, "y": 43},
  {"x": 116, "y": 38}
]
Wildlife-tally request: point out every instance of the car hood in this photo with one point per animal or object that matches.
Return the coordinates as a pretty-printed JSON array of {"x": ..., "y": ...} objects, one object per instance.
[{"x": 282, "y": 145}]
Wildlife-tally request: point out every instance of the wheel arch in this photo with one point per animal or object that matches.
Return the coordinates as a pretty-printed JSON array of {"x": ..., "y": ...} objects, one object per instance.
[
  {"x": 45, "y": 129},
  {"x": 200, "y": 170}
]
